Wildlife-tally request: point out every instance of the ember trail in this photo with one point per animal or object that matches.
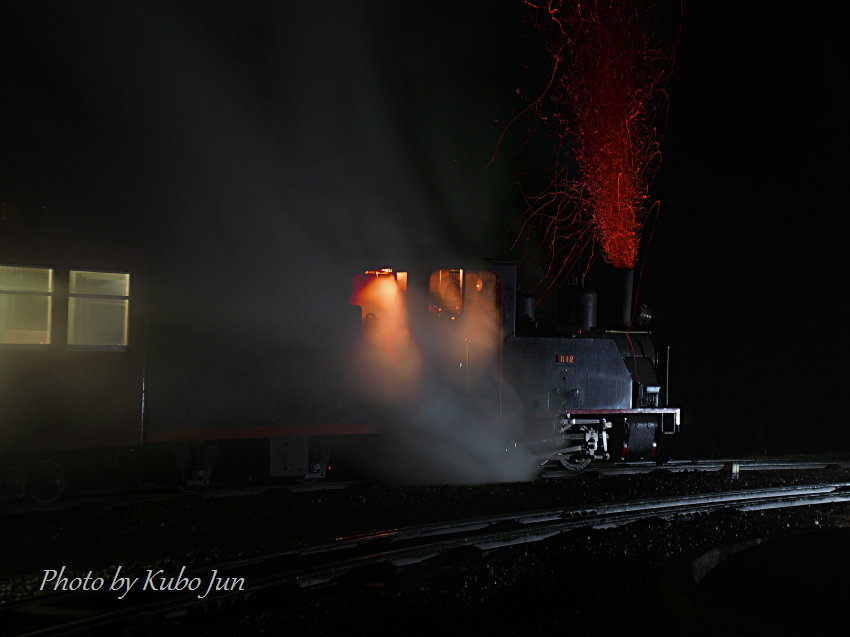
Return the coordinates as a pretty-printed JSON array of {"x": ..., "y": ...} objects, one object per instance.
[{"x": 602, "y": 104}]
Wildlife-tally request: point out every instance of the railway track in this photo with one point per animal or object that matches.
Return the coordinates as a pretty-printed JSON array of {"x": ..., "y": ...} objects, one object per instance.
[
  {"x": 147, "y": 604},
  {"x": 732, "y": 466},
  {"x": 141, "y": 495}
]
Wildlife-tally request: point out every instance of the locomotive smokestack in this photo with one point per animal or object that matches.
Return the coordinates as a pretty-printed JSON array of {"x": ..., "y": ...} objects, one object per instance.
[
  {"x": 587, "y": 309},
  {"x": 626, "y": 284}
]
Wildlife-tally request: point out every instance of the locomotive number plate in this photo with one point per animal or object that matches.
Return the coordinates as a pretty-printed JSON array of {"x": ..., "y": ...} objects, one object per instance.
[{"x": 565, "y": 358}]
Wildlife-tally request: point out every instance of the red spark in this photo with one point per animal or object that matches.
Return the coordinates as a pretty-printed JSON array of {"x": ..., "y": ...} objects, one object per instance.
[{"x": 603, "y": 102}]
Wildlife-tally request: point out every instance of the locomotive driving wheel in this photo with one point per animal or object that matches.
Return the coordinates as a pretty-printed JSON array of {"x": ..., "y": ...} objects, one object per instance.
[{"x": 576, "y": 461}]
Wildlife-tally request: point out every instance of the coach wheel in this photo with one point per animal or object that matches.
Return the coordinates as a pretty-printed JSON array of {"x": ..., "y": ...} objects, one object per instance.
[
  {"x": 195, "y": 464},
  {"x": 192, "y": 479},
  {"x": 45, "y": 481},
  {"x": 190, "y": 485},
  {"x": 576, "y": 461}
]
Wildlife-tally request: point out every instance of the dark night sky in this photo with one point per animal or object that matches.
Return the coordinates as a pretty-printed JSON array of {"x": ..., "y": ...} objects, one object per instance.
[{"x": 262, "y": 136}]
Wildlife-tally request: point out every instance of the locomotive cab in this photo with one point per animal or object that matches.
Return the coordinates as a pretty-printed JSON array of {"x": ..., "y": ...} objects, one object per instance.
[{"x": 442, "y": 324}]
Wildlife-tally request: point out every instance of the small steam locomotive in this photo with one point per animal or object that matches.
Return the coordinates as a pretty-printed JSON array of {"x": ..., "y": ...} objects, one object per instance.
[{"x": 564, "y": 387}]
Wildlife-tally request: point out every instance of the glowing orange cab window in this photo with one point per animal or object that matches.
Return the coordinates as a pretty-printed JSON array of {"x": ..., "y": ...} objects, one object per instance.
[
  {"x": 446, "y": 288},
  {"x": 373, "y": 297}
]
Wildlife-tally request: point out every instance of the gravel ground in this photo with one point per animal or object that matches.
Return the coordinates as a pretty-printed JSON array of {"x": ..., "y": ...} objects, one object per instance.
[
  {"x": 588, "y": 581},
  {"x": 593, "y": 581}
]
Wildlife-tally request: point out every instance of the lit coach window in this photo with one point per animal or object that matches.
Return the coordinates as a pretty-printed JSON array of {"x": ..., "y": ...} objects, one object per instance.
[
  {"x": 25, "y": 300},
  {"x": 98, "y": 308}
]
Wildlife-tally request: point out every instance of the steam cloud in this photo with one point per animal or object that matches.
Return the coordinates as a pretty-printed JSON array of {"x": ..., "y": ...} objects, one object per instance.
[{"x": 263, "y": 153}]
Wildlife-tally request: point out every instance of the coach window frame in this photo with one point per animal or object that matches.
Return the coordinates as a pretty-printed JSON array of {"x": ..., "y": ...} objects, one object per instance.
[
  {"x": 49, "y": 293},
  {"x": 89, "y": 296}
]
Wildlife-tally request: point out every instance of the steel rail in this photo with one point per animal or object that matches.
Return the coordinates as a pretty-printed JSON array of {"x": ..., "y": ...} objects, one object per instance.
[
  {"x": 681, "y": 466},
  {"x": 14, "y": 505}
]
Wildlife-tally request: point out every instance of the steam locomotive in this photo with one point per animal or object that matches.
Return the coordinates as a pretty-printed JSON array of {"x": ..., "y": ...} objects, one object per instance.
[
  {"x": 90, "y": 373},
  {"x": 566, "y": 389}
]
